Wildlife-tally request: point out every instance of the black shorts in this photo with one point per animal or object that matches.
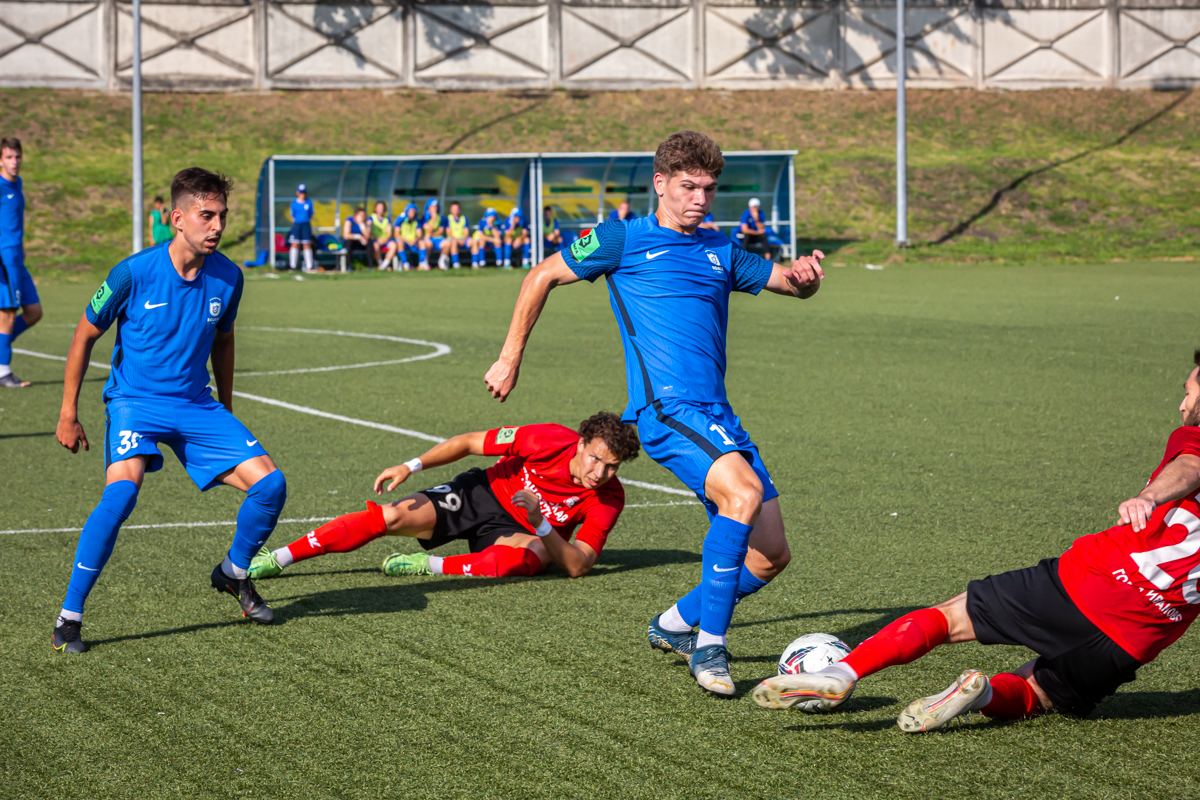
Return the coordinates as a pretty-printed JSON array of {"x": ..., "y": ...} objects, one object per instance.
[
  {"x": 1077, "y": 665},
  {"x": 467, "y": 509}
]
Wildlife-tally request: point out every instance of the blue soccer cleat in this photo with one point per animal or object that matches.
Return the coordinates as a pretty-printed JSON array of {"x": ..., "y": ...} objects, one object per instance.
[
  {"x": 710, "y": 668},
  {"x": 670, "y": 641}
]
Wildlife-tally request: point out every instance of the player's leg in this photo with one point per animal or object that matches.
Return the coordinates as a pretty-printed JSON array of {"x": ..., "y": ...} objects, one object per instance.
[
  {"x": 505, "y": 556},
  {"x": 476, "y": 250},
  {"x": 507, "y": 249},
  {"x": 8, "y": 320},
  {"x": 123, "y": 480},
  {"x": 411, "y": 516},
  {"x": 308, "y": 256}
]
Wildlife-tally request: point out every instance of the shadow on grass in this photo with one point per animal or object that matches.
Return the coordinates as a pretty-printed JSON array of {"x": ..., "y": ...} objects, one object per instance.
[
  {"x": 24, "y": 435},
  {"x": 990, "y": 206},
  {"x": 826, "y": 246},
  {"x": 849, "y": 635},
  {"x": 1149, "y": 705}
]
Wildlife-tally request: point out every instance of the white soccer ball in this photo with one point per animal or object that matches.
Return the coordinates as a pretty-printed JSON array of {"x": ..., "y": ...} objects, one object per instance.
[{"x": 812, "y": 652}]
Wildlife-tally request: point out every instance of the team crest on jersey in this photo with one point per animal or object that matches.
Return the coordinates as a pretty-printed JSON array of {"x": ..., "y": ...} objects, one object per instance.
[
  {"x": 506, "y": 435},
  {"x": 214, "y": 309},
  {"x": 716, "y": 261}
]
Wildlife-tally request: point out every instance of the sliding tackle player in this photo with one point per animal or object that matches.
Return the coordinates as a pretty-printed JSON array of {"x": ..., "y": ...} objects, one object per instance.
[
  {"x": 517, "y": 516},
  {"x": 1108, "y": 605}
]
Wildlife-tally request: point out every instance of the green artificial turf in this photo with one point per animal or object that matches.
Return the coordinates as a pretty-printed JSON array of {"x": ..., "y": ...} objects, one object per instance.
[
  {"x": 1013, "y": 177},
  {"x": 925, "y": 426}
]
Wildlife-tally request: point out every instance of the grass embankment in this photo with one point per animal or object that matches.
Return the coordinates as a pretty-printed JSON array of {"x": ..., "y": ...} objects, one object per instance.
[{"x": 1067, "y": 175}]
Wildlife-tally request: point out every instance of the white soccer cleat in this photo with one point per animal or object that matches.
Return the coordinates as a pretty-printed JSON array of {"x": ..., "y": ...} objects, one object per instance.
[
  {"x": 710, "y": 668},
  {"x": 812, "y": 691},
  {"x": 968, "y": 693}
]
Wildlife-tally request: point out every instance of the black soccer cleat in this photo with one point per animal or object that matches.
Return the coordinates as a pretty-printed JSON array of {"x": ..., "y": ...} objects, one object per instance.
[
  {"x": 253, "y": 606},
  {"x": 66, "y": 638}
]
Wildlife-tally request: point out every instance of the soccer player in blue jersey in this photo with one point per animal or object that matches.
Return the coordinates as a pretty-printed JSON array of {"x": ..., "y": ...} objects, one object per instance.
[
  {"x": 516, "y": 238},
  {"x": 669, "y": 282},
  {"x": 174, "y": 306},
  {"x": 16, "y": 284},
  {"x": 301, "y": 235}
]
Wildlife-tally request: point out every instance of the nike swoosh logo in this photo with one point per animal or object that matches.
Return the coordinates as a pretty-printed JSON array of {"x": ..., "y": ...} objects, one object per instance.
[
  {"x": 147, "y": 305},
  {"x": 251, "y": 442},
  {"x": 81, "y": 566},
  {"x": 656, "y": 255},
  {"x": 718, "y": 569}
]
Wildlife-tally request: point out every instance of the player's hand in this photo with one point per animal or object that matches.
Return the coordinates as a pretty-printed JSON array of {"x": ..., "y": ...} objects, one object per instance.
[
  {"x": 70, "y": 434},
  {"x": 805, "y": 275},
  {"x": 1136, "y": 511},
  {"x": 528, "y": 500},
  {"x": 397, "y": 476},
  {"x": 501, "y": 379}
]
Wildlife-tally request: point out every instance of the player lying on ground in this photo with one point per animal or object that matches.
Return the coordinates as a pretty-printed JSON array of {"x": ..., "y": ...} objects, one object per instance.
[
  {"x": 174, "y": 306},
  {"x": 1111, "y": 603},
  {"x": 669, "y": 282},
  {"x": 517, "y": 516}
]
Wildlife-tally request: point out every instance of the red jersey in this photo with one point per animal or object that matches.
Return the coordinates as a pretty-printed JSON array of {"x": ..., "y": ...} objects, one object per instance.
[
  {"x": 536, "y": 457},
  {"x": 1140, "y": 588}
]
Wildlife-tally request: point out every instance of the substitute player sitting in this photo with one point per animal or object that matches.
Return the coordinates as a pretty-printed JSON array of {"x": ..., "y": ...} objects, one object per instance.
[
  {"x": 669, "y": 282},
  {"x": 516, "y": 238},
  {"x": 409, "y": 237},
  {"x": 458, "y": 234},
  {"x": 1108, "y": 605},
  {"x": 518, "y": 515},
  {"x": 490, "y": 233},
  {"x": 174, "y": 306}
]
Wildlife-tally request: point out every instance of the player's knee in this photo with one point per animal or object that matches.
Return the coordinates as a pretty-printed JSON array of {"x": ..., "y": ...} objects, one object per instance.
[
  {"x": 743, "y": 502},
  {"x": 120, "y": 498},
  {"x": 270, "y": 492}
]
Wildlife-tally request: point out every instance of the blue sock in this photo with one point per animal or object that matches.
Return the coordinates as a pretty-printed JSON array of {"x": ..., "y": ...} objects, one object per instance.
[
  {"x": 20, "y": 326},
  {"x": 422, "y": 257},
  {"x": 97, "y": 540},
  {"x": 748, "y": 584},
  {"x": 689, "y": 606},
  {"x": 454, "y": 259},
  {"x": 257, "y": 517},
  {"x": 5, "y": 349},
  {"x": 508, "y": 252},
  {"x": 724, "y": 553}
]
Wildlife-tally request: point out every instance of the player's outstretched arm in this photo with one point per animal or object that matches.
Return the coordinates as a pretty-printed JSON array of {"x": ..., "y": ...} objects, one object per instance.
[
  {"x": 552, "y": 272},
  {"x": 1179, "y": 479},
  {"x": 222, "y": 367},
  {"x": 70, "y": 433},
  {"x": 575, "y": 559},
  {"x": 447, "y": 452},
  {"x": 802, "y": 279}
]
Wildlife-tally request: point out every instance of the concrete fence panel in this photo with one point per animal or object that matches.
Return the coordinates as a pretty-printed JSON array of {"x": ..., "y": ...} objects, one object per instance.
[
  {"x": 53, "y": 44},
  {"x": 215, "y": 45}
]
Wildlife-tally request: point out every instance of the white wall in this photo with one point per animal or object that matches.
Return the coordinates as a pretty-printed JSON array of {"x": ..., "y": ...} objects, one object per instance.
[{"x": 611, "y": 44}]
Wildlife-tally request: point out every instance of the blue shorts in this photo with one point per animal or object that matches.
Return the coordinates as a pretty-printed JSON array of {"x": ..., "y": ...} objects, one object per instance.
[
  {"x": 16, "y": 287},
  {"x": 687, "y": 437},
  {"x": 206, "y": 438},
  {"x": 301, "y": 233},
  {"x": 436, "y": 242}
]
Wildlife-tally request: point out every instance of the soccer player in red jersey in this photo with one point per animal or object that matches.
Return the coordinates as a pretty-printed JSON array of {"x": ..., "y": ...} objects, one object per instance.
[
  {"x": 518, "y": 515},
  {"x": 1112, "y": 602}
]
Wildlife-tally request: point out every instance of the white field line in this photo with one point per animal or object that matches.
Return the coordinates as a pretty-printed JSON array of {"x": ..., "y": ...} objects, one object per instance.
[
  {"x": 439, "y": 349},
  {"x": 231, "y": 523},
  {"x": 351, "y": 420}
]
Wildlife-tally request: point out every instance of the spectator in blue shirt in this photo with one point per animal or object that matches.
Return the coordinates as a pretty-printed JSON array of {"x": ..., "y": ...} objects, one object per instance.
[
  {"x": 752, "y": 232},
  {"x": 623, "y": 211},
  {"x": 301, "y": 232},
  {"x": 709, "y": 223}
]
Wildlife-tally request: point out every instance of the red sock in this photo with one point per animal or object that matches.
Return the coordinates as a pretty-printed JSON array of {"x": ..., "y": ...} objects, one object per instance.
[
  {"x": 497, "y": 561},
  {"x": 347, "y": 532},
  {"x": 1012, "y": 698},
  {"x": 900, "y": 642}
]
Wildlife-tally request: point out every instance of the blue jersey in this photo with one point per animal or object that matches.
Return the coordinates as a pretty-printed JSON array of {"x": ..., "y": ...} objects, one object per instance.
[
  {"x": 12, "y": 222},
  {"x": 165, "y": 325},
  {"x": 748, "y": 220},
  {"x": 670, "y": 294},
  {"x": 615, "y": 216},
  {"x": 302, "y": 211}
]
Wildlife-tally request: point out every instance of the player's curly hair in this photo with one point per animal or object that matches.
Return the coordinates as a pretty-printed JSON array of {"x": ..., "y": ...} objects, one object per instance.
[
  {"x": 197, "y": 182},
  {"x": 688, "y": 151},
  {"x": 621, "y": 439}
]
